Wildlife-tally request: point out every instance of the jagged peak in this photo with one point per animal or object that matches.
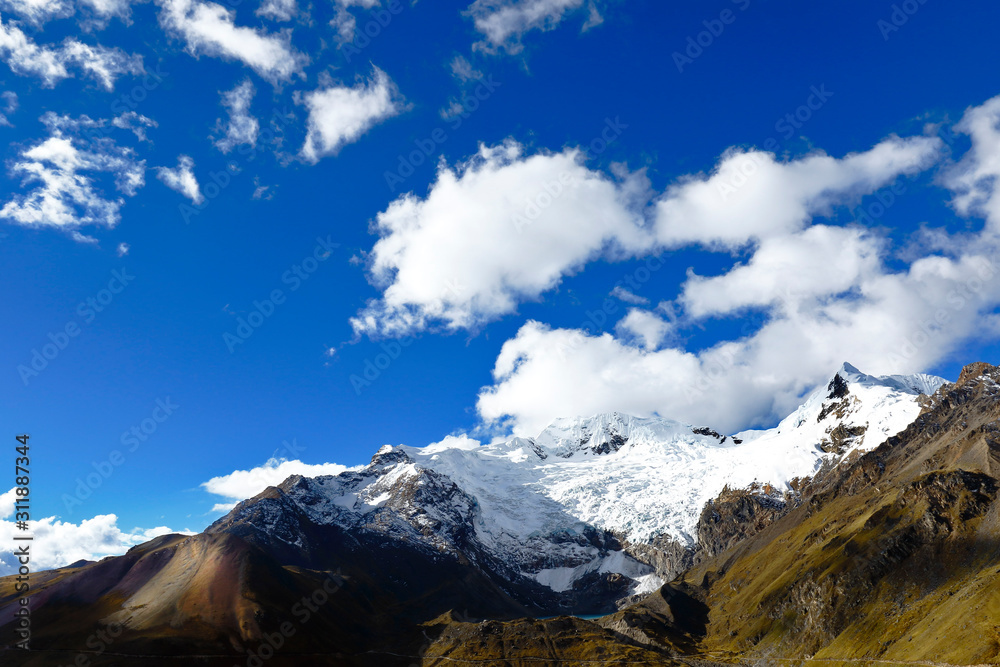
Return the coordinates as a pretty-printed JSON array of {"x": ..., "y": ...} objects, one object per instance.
[
  {"x": 387, "y": 454},
  {"x": 976, "y": 370},
  {"x": 916, "y": 383}
]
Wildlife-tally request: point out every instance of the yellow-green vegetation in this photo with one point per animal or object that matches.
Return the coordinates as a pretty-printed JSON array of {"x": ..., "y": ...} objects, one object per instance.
[
  {"x": 564, "y": 641},
  {"x": 890, "y": 558},
  {"x": 896, "y": 558}
]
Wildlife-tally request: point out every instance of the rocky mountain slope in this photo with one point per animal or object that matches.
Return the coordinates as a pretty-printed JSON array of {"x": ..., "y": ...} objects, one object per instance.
[
  {"x": 891, "y": 558},
  {"x": 863, "y": 526},
  {"x": 592, "y": 512}
]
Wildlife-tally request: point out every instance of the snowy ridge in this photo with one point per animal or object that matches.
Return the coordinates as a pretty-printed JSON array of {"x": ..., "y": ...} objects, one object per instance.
[{"x": 533, "y": 504}]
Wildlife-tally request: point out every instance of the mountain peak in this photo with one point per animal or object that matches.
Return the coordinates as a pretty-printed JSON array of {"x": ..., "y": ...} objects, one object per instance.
[
  {"x": 975, "y": 370},
  {"x": 848, "y": 368},
  {"x": 917, "y": 383}
]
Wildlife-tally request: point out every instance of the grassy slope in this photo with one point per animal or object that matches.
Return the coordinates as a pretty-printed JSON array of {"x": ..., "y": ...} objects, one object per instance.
[{"x": 898, "y": 559}]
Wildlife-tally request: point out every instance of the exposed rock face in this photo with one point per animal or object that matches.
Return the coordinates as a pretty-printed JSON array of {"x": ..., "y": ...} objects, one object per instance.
[
  {"x": 893, "y": 555},
  {"x": 842, "y": 438},
  {"x": 838, "y": 387},
  {"x": 419, "y": 515},
  {"x": 735, "y": 516},
  {"x": 888, "y": 548}
]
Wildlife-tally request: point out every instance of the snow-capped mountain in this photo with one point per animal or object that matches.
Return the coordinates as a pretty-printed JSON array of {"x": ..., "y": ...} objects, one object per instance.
[{"x": 564, "y": 511}]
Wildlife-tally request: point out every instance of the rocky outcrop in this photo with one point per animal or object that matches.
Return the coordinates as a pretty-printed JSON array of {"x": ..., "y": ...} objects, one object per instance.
[{"x": 736, "y": 515}]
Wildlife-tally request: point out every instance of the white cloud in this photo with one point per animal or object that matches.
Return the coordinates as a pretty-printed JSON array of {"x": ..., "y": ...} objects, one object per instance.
[
  {"x": 790, "y": 269},
  {"x": 242, "y": 484},
  {"x": 504, "y": 22},
  {"x": 974, "y": 178},
  {"x": 122, "y": 249},
  {"x": 182, "y": 179},
  {"x": 7, "y": 500},
  {"x": 242, "y": 127},
  {"x": 63, "y": 169},
  {"x": 647, "y": 328},
  {"x": 108, "y": 8},
  {"x": 826, "y": 295},
  {"x": 51, "y": 64},
  {"x": 59, "y": 543},
  {"x": 38, "y": 12},
  {"x": 209, "y": 28},
  {"x": 463, "y": 70},
  {"x": 10, "y": 106},
  {"x": 135, "y": 123},
  {"x": 278, "y": 10},
  {"x": 339, "y": 115},
  {"x": 623, "y": 294},
  {"x": 261, "y": 191},
  {"x": 889, "y": 326},
  {"x": 344, "y": 21},
  {"x": 502, "y": 228},
  {"x": 460, "y": 441},
  {"x": 750, "y": 195}
]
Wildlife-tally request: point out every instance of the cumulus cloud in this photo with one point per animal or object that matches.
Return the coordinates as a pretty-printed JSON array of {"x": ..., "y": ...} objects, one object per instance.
[
  {"x": 900, "y": 322},
  {"x": 37, "y": 12},
  {"x": 242, "y": 484},
  {"x": 645, "y": 327},
  {"x": 974, "y": 178},
  {"x": 750, "y": 195},
  {"x": 61, "y": 175},
  {"x": 788, "y": 270},
  {"x": 242, "y": 127},
  {"x": 506, "y": 227},
  {"x": 823, "y": 294},
  {"x": 499, "y": 229},
  {"x": 210, "y": 29},
  {"x": 182, "y": 179},
  {"x": 340, "y": 115},
  {"x": 52, "y": 64},
  {"x": 60, "y": 543},
  {"x": 503, "y": 23}
]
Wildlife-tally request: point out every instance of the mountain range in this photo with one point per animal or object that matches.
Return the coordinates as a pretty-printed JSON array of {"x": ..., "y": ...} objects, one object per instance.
[{"x": 863, "y": 526}]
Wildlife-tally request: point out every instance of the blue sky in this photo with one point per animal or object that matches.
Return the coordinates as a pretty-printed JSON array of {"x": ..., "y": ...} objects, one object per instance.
[{"x": 221, "y": 149}]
